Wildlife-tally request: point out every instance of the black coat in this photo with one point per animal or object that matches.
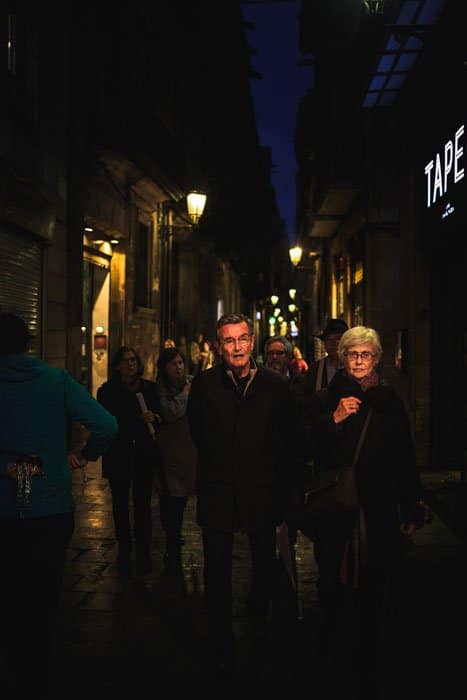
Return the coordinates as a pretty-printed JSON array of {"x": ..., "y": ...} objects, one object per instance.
[
  {"x": 387, "y": 477},
  {"x": 242, "y": 442},
  {"x": 133, "y": 439}
]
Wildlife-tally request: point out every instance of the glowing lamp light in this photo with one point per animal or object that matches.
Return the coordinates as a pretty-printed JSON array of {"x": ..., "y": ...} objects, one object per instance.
[
  {"x": 295, "y": 255},
  {"x": 292, "y": 293},
  {"x": 274, "y": 299},
  {"x": 195, "y": 202}
]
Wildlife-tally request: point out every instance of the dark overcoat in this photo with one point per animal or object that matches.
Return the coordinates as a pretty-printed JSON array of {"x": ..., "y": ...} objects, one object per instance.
[
  {"x": 242, "y": 441},
  {"x": 387, "y": 477},
  {"x": 133, "y": 442}
]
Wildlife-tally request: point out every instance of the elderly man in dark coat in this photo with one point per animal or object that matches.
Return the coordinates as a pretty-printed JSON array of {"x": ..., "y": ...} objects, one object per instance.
[{"x": 239, "y": 417}]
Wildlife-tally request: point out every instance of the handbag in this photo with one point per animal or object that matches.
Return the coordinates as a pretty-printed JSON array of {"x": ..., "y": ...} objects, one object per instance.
[{"x": 335, "y": 490}]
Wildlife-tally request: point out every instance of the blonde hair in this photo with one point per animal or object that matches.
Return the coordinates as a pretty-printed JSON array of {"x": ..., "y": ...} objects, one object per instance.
[{"x": 357, "y": 336}]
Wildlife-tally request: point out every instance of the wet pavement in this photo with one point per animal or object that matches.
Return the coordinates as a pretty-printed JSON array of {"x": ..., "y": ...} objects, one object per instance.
[{"x": 142, "y": 635}]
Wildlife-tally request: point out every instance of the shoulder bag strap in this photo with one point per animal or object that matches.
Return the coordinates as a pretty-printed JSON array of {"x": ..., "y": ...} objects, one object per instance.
[{"x": 361, "y": 438}]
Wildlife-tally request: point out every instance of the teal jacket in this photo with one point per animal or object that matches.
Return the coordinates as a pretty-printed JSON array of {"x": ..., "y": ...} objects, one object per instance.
[{"x": 37, "y": 405}]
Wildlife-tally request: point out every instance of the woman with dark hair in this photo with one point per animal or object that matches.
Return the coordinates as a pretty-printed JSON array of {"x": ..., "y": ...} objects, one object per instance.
[
  {"x": 177, "y": 450},
  {"x": 132, "y": 457}
]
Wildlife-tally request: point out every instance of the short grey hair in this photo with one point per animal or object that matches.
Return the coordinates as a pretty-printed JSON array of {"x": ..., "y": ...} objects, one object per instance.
[
  {"x": 227, "y": 319},
  {"x": 278, "y": 339},
  {"x": 357, "y": 335}
]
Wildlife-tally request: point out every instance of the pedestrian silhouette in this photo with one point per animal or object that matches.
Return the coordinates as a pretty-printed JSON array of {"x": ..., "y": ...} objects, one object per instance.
[
  {"x": 238, "y": 415},
  {"x": 132, "y": 459},
  {"x": 37, "y": 405}
]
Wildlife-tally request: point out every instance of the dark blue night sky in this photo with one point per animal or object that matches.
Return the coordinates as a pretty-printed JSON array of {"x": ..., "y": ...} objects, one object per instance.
[{"x": 276, "y": 96}]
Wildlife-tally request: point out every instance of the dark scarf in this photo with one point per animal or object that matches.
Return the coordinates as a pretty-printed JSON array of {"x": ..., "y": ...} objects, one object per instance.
[{"x": 369, "y": 381}]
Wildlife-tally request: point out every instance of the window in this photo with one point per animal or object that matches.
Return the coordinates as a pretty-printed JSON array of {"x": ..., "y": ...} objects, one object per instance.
[{"x": 404, "y": 42}]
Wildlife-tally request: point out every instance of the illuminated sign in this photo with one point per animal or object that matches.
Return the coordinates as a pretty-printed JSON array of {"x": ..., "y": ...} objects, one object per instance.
[{"x": 445, "y": 169}]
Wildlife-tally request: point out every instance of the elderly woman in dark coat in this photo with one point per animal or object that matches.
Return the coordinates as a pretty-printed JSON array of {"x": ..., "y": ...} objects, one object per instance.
[
  {"x": 177, "y": 450},
  {"x": 351, "y": 588}
]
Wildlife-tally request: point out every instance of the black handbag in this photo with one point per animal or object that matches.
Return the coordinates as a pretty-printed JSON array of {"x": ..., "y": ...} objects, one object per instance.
[{"x": 335, "y": 490}]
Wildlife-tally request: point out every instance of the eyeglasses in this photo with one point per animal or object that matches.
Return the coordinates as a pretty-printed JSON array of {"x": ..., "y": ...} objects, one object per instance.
[
  {"x": 231, "y": 342},
  {"x": 365, "y": 355},
  {"x": 275, "y": 353}
]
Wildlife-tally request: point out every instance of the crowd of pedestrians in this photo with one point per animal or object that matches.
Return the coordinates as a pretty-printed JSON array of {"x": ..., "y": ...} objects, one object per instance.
[{"x": 242, "y": 437}]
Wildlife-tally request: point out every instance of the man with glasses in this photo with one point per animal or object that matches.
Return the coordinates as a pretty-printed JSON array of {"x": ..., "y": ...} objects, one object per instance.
[
  {"x": 239, "y": 417},
  {"x": 277, "y": 354}
]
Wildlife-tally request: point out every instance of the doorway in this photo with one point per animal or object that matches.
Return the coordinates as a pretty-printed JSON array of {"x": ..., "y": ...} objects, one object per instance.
[{"x": 95, "y": 324}]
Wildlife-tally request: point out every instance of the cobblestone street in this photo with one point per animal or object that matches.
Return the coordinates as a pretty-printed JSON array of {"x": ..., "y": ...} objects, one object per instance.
[{"x": 124, "y": 636}]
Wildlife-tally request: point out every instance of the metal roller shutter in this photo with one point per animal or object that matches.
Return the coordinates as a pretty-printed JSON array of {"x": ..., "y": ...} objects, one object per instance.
[{"x": 21, "y": 281}]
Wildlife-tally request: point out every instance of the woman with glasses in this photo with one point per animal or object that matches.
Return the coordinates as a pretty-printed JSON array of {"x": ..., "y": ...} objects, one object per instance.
[
  {"x": 358, "y": 551},
  {"x": 131, "y": 461}
]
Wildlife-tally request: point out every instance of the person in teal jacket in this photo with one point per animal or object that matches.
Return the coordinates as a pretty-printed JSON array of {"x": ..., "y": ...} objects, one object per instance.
[{"x": 37, "y": 405}]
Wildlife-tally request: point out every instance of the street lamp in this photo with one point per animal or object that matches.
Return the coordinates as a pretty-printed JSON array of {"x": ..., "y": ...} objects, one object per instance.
[
  {"x": 295, "y": 255},
  {"x": 306, "y": 283},
  {"x": 195, "y": 203}
]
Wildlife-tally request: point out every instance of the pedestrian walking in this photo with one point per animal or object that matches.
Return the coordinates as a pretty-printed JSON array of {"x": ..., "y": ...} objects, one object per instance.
[
  {"x": 132, "y": 459},
  {"x": 176, "y": 447},
  {"x": 358, "y": 550},
  {"x": 238, "y": 414},
  {"x": 278, "y": 354},
  {"x": 323, "y": 370},
  {"x": 37, "y": 405}
]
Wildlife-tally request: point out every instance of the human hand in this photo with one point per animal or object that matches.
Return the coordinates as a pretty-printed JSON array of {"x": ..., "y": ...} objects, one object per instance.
[
  {"x": 347, "y": 406},
  {"x": 76, "y": 459},
  {"x": 148, "y": 417}
]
